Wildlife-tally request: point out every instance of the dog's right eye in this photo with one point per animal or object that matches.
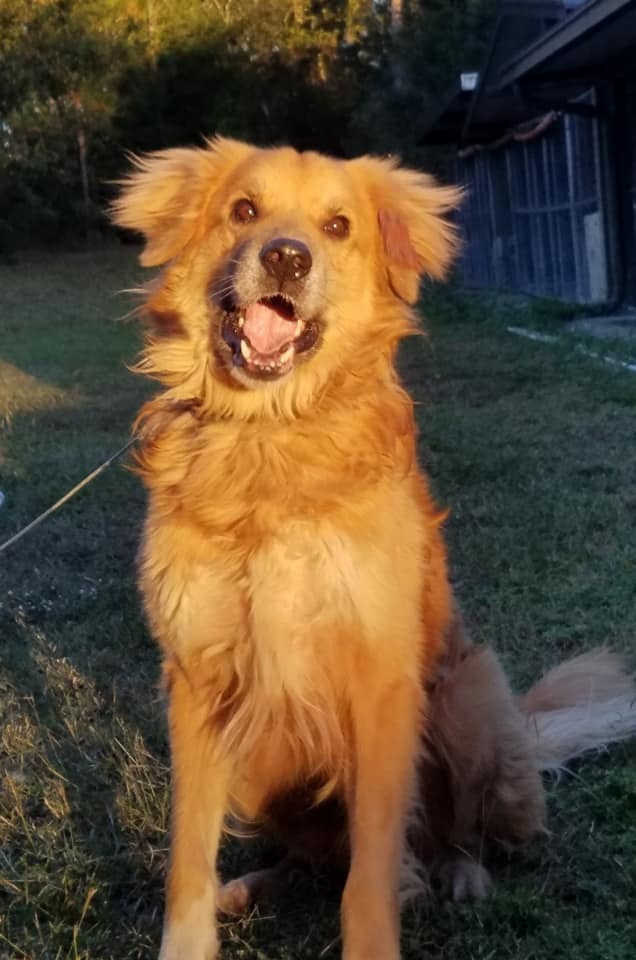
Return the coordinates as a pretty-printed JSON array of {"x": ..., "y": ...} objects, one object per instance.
[
  {"x": 337, "y": 227},
  {"x": 244, "y": 211}
]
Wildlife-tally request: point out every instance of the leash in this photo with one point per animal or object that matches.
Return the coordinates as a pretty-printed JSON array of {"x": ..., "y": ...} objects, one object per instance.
[
  {"x": 67, "y": 496},
  {"x": 144, "y": 433}
]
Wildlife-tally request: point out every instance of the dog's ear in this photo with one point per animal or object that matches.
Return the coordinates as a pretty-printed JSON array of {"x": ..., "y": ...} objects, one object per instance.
[
  {"x": 166, "y": 194},
  {"x": 417, "y": 237}
]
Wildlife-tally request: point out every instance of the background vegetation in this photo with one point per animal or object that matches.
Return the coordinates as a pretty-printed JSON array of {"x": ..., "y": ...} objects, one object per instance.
[{"x": 83, "y": 81}]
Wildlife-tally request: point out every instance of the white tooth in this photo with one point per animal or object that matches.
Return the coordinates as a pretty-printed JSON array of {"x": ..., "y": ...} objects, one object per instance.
[
  {"x": 284, "y": 357},
  {"x": 246, "y": 350},
  {"x": 241, "y": 320},
  {"x": 300, "y": 326}
]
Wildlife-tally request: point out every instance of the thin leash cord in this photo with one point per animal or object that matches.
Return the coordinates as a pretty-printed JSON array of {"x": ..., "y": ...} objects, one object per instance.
[{"x": 67, "y": 496}]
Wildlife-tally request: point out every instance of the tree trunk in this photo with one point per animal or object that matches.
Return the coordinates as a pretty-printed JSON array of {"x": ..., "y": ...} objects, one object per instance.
[
  {"x": 81, "y": 143},
  {"x": 397, "y": 67}
]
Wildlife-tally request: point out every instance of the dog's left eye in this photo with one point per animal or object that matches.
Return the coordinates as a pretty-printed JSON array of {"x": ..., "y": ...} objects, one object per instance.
[
  {"x": 337, "y": 227},
  {"x": 244, "y": 211}
]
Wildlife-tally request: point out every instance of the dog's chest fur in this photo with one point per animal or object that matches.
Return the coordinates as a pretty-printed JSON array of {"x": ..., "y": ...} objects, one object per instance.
[{"x": 282, "y": 567}]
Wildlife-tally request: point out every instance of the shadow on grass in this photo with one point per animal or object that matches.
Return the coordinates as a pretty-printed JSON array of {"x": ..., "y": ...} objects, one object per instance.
[
  {"x": 83, "y": 742},
  {"x": 83, "y": 805}
]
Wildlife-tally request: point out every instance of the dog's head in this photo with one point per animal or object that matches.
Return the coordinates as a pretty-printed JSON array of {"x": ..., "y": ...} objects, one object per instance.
[{"x": 283, "y": 266}]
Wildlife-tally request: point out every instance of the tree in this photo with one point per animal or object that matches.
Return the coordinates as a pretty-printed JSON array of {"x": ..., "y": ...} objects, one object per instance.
[{"x": 82, "y": 81}]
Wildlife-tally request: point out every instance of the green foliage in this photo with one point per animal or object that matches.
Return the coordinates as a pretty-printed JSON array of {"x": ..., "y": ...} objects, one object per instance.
[{"x": 83, "y": 81}]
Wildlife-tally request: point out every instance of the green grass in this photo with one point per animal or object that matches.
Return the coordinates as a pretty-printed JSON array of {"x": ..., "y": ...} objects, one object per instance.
[{"x": 532, "y": 447}]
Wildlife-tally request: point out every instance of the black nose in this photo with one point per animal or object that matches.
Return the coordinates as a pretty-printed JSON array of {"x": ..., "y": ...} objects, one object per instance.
[{"x": 286, "y": 259}]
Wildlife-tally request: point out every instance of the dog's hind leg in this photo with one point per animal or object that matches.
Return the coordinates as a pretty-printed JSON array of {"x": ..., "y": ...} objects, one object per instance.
[
  {"x": 462, "y": 878},
  {"x": 238, "y": 895}
]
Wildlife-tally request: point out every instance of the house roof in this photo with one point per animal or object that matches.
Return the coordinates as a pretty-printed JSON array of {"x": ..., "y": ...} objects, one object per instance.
[
  {"x": 520, "y": 23},
  {"x": 542, "y": 51},
  {"x": 593, "y": 39}
]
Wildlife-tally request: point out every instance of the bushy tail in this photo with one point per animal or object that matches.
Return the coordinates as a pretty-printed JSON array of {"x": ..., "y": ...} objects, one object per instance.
[{"x": 583, "y": 704}]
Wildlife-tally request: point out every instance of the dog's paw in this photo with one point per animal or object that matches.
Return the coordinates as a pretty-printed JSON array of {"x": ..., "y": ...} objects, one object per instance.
[
  {"x": 188, "y": 948},
  {"x": 193, "y": 936},
  {"x": 236, "y": 896},
  {"x": 464, "y": 879},
  {"x": 372, "y": 952}
]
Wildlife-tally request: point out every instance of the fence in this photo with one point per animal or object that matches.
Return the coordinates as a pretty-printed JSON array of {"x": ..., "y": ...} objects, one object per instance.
[{"x": 534, "y": 217}]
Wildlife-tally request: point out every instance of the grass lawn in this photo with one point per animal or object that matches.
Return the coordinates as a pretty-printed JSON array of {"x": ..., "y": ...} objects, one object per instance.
[{"x": 531, "y": 445}]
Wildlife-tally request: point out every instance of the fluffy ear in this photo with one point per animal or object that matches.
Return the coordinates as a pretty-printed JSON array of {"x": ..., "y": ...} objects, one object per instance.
[
  {"x": 165, "y": 196},
  {"x": 417, "y": 238}
]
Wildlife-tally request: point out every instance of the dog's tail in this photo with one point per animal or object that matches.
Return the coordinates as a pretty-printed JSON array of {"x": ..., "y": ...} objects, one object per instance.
[{"x": 583, "y": 704}]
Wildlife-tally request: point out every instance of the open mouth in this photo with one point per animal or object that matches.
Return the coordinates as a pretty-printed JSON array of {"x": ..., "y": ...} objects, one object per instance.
[{"x": 266, "y": 336}]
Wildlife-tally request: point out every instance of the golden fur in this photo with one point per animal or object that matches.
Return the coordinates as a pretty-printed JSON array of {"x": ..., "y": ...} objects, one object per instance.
[{"x": 293, "y": 568}]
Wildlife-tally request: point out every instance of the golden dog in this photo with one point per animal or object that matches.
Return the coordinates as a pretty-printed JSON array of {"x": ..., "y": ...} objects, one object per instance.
[{"x": 293, "y": 567}]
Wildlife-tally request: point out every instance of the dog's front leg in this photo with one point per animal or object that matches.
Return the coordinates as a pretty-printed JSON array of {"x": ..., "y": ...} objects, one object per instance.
[
  {"x": 386, "y": 725},
  {"x": 199, "y": 794}
]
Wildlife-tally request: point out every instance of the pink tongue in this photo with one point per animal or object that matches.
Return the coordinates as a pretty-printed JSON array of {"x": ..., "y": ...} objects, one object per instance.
[{"x": 266, "y": 329}]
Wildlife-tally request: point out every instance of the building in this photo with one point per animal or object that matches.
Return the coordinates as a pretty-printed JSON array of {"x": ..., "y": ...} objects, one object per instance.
[{"x": 546, "y": 146}]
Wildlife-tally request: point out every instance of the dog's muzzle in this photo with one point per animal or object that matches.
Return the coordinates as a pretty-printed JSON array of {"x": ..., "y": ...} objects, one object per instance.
[{"x": 267, "y": 335}]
